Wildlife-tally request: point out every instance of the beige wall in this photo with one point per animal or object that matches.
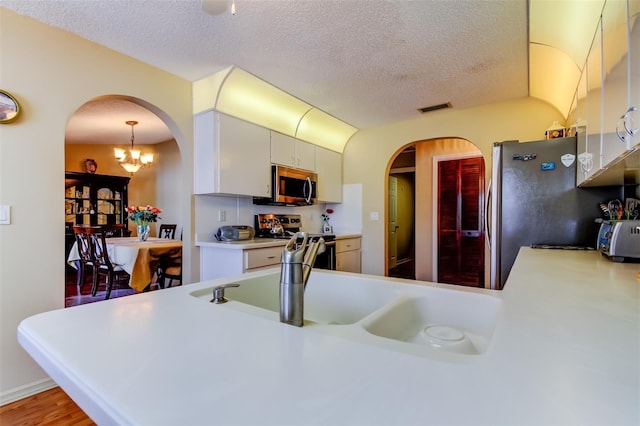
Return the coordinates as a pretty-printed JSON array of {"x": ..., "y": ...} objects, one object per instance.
[
  {"x": 523, "y": 119},
  {"x": 52, "y": 73}
]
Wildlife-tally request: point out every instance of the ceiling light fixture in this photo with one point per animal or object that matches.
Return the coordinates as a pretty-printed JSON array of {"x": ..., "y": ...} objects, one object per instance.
[
  {"x": 217, "y": 7},
  {"x": 133, "y": 160}
]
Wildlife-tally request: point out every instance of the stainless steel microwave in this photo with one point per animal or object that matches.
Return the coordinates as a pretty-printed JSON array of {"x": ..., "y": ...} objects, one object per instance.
[{"x": 291, "y": 187}]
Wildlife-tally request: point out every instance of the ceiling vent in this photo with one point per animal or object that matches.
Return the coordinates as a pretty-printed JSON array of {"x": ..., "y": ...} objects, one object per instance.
[{"x": 434, "y": 107}]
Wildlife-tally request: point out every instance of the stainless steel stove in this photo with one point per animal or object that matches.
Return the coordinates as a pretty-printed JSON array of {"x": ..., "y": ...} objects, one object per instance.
[
  {"x": 277, "y": 225},
  {"x": 284, "y": 226}
]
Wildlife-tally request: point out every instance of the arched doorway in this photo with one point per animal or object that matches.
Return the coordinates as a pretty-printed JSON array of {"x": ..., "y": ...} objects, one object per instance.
[
  {"x": 415, "y": 167},
  {"x": 93, "y": 131}
]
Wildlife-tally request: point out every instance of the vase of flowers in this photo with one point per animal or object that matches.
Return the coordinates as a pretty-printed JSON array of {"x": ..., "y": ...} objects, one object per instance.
[
  {"x": 142, "y": 217},
  {"x": 327, "y": 229}
]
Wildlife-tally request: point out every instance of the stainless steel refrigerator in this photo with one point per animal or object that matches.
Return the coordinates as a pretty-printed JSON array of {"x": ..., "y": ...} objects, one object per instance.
[{"x": 534, "y": 201}]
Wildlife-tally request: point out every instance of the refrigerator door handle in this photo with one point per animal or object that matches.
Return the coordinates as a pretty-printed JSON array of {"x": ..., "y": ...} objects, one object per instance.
[
  {"x": 487, "y": 212},
  {"x": 495, "y": 209}
]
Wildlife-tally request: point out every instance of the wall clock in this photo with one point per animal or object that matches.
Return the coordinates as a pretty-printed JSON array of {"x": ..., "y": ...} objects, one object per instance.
[{"x": 9, "y": 107}]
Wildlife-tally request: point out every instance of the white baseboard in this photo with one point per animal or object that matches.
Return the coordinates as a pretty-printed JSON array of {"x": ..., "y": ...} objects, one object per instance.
[{"x": 26, "y": 390}]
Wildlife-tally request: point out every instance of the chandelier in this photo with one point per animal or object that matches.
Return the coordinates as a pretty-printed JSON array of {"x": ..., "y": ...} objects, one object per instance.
[{"x": 133, "y": 160}]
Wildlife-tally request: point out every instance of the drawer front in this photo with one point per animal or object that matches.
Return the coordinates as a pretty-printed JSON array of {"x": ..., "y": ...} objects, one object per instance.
[
  {"x": 259, "y": 258},
  {"x": 347, "y": 245}
]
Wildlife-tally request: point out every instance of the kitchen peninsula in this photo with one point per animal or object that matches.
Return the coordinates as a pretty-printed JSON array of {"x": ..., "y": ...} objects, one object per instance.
[{"x": 564, "y": 350}]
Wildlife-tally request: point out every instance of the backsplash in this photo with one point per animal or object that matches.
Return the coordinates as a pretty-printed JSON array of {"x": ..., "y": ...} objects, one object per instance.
[{"x": 213, "y": 211}]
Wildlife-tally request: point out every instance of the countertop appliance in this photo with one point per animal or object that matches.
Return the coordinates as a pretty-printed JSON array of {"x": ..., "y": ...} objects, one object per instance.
[
  {"x": 620, "y": 240},
  {"x": 290, "y": 187},
  {"x": 235, "y": 233},
  {"x": 534, "y": 201},
  {"x": 284, "y": 226}
]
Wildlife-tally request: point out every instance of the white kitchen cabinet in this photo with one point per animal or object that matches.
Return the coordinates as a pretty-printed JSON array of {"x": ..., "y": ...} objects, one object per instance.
[
  {"x": 348, "y": 255},
  {"x": 231, "y": 156},
  {"x": 613, "y": 79},
  {"x": 615, "y": 99},
  {"x": 218, "y": 262},
  {"x": 593, "y": 71},
  {"x": 587, "y": 152},
  {"x": 329, "y": 170},
  {"x": 634, "y": 60},
  {"x": 292, "y": 152}
]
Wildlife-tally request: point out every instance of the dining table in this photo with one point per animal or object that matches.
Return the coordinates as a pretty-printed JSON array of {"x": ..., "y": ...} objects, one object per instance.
[{"x": 138, "y": 258}]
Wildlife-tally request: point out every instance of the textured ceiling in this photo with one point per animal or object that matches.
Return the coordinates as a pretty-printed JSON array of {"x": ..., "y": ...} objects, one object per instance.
[{"x": 366, "y": 62}]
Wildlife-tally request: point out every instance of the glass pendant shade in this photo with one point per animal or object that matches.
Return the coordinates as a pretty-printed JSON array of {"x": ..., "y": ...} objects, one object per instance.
[{"x": 134, "y": 159}]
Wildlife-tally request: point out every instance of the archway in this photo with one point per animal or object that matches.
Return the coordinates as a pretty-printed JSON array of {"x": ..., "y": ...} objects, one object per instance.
[
  {"x": 421, "y": 159},
  {"x": 93, "y": 131}
]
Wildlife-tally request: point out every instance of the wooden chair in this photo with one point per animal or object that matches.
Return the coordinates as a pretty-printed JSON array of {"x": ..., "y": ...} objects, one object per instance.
[
  {"x": 92, "y": 246},
  {"x": 170, "y": 265},
  {"x": 85, "y": 252},
  {"x": 170, "y": 268},
  {"x": 167, "y": 231}
]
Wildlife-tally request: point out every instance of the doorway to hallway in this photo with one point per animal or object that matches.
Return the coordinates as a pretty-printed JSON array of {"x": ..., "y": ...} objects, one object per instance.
[{"x": 414, "y": 169}]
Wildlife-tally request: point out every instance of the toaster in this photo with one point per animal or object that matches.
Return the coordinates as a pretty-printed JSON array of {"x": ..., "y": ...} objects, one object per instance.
[
  {"x": 620, "y": 240},
  {"x": 235, "y": 233}
]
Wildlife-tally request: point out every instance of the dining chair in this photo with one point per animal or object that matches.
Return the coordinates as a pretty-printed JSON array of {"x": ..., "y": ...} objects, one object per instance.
[
  {"x": 167, "y": 231},
  {"x": 84, "y": 244},
  {"x": 92, "y": 246},
  {"x": 170, "y": 268}
]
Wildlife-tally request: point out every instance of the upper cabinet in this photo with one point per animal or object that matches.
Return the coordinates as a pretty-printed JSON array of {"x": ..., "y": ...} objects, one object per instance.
[
  {"x": 231, "y": 156},
  {"x": 292, "y": 152},
  {"x": 615, "y": 95},
  {"x": 329, "y": 170},
  {"x": 609, "y": 148},
  {"x": 234, "y": 157}
]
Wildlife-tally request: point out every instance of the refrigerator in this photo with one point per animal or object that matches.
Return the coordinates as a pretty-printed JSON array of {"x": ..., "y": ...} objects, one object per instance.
[{"x": 534, "y": 201}]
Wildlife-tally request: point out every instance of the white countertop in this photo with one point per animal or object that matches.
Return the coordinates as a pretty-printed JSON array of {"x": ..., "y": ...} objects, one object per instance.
[
  {"x": 256, "y": 243},
  {"x": 566, "y": 350}
]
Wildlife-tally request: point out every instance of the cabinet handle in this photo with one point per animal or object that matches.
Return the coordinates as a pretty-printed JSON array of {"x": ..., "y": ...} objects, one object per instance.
[
  {"x": 271, "y": 257},
  {"x": 625, "y": 123}
]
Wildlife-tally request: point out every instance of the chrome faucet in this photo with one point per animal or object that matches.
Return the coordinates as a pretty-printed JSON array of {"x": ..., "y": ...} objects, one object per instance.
[{"x": 297, "y": 262}]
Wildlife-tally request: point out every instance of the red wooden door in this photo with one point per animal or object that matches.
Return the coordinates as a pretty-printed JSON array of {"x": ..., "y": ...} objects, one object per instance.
[{"x": 460, "y": 219}]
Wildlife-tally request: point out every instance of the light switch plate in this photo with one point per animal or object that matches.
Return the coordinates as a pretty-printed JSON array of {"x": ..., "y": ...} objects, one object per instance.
[{"x": 5, "y": 214}]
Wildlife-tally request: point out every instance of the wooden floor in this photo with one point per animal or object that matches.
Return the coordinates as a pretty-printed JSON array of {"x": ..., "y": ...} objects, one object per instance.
[
  {"x": 52, "y": 407},
  {"x": 404, "y": 269}
]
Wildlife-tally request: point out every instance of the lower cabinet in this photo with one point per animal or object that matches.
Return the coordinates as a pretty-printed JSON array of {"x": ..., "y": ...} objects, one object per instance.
[
  {"x": 216, "y": 262},
  {"x": 348, "y": 255},
  {"x": 261, "y": 258}
]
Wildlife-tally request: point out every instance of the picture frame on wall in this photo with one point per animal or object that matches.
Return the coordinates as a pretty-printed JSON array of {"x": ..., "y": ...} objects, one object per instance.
[{"x": 9, "y": 107}]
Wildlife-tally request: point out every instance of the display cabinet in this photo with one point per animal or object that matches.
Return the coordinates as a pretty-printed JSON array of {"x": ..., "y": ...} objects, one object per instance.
[{"x": 92, "y": 199}]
